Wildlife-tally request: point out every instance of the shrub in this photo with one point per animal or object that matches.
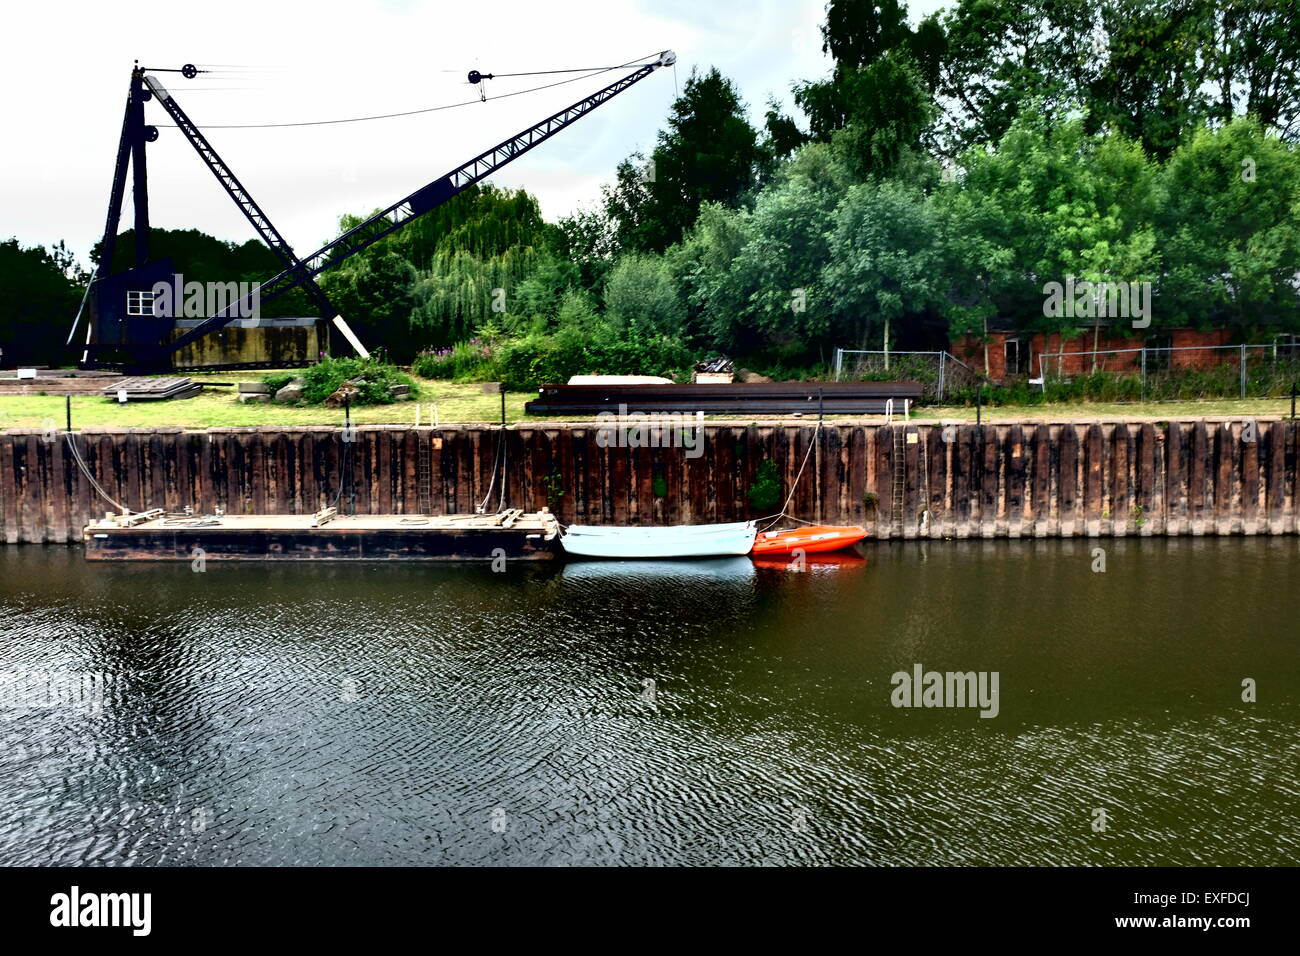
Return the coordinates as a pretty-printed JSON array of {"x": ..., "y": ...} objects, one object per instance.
[
  {"x": 278, "y": 381},
  {"x": 469, "y": 361},
  {"x": 324, "y": 378},
  {"x": 765, "y": 491},
  {"x": 534, "y": 360}
]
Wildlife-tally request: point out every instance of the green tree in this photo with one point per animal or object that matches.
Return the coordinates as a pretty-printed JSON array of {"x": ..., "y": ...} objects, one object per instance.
[
  {"x": 878, "y": 101},
  {"x": 1229, "y": 229},
  {"x": 886, "y": 262},
  {"x": 641, "y": 297},
  {"x": 39, "y": 295},
  {"x": 716, "y": 298},
  {"x": 1063, "y": 203},
  {"x": 462, "y": 292},
  {"x": 484, "y": 221},
  {"x": 375, "y": 295},
  {"x": 1255, "y": 62},
  {"x": 1150, "y": 82},
  {"x": 993, "y": 59},
  {"x": 889, "y": 112},
  {"x": 708, "y": 153},
  {"x": 587, "y": 239},
  {"x": 782, "y": 136}
]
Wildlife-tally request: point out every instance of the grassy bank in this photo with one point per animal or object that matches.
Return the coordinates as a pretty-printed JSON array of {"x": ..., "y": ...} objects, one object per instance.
[
  {"x": 1114, "y": 411},
  {"x": 219, "y": 407}
]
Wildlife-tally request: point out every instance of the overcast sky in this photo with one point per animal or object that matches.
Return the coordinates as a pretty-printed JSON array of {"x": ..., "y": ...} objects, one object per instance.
[{"x": 67, "y": 65}]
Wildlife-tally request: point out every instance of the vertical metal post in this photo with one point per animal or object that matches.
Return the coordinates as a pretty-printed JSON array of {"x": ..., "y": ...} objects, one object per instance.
[
  {"x": 1144, "y": 373},
  {"x": 1294, "y": 390},
  {"x": 979, "y": 401},
  {"x": 501, "y": 504},
  {"x": 943, "y": 364},
  {"x": 1243, "y": 371},
  {"x": 69, "y": 410},
  {"x": 817, "y": 458},
  {"x": 349, "y": 475},
  {"x": 839, "y": 363}
]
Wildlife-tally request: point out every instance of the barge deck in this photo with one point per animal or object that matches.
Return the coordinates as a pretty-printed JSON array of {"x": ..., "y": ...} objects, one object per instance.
[{"x": 324, "y": 536}]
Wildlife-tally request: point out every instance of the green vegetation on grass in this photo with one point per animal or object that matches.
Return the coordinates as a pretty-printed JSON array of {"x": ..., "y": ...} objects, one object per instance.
[
  {"x": 323, "y": 379},
  {"x": 219, "y": 407},
  {"x": 458, "y": 403}
]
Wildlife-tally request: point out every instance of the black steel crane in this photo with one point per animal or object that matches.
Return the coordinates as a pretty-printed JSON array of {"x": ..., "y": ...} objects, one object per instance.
[
  {"x": 251, "y": 210},
  {"x": 149, "y": 353}
]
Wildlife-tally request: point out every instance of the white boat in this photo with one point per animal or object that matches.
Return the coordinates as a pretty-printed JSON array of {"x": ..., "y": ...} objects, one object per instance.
[{"x": 681, "y": 541}]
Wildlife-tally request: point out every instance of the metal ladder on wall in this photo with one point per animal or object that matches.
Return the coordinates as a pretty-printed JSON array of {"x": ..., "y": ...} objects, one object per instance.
[
  {"x": 424, "y": 471},
  {"x": 898, "y": 476}
]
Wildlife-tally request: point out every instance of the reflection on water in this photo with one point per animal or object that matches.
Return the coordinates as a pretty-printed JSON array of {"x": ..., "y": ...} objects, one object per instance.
[
  {"x": 634, "y": 574},
  {"x": 651, "y": 712}
]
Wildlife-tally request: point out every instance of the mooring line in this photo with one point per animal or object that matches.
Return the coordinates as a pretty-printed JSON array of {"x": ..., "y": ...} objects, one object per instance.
[
  {"x": 85, "y": 470},
  {"x": 785, "y": 509}
]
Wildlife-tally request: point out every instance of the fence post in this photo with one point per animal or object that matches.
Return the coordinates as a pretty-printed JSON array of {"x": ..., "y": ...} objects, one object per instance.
[
  {"x": 1144, "y": 373},
  {"x": 1243, "y": 371},
  {"x": 839, "y": 362},
  {"x": 943, "y": 363}
]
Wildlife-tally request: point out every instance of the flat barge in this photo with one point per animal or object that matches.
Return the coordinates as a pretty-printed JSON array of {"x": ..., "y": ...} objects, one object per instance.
[{"x": 324, "y": 536}]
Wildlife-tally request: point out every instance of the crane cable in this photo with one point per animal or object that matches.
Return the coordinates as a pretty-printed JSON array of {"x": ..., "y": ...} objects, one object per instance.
[{"x": 594, "y": 71}]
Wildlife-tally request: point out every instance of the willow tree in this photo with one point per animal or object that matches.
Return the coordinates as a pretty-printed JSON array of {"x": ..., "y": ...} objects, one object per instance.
[{"x": 462, "y": 292}]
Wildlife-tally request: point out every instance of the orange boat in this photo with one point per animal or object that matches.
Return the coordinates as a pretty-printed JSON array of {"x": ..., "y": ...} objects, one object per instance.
[{"x": 809, "y": 539}]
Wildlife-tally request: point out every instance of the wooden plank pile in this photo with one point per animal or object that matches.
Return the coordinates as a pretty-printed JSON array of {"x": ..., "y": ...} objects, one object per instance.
[
  {"x": 55, "y": 382},
  {"x": 153, "y": 389}
]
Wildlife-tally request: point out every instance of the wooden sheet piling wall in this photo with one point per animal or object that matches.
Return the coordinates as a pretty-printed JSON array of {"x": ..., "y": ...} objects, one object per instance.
[{"x": 1004, "y": 480}]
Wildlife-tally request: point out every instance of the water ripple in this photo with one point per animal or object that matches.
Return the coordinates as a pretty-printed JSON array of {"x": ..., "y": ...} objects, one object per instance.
[{"x": 651, "y": 714}]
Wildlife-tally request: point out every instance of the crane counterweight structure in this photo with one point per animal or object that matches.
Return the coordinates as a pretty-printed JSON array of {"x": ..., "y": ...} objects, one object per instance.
[{"x": 154, "y": 354}]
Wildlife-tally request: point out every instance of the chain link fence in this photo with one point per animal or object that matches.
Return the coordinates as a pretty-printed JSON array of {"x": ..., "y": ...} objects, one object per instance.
[
  {"x": 939, "y": 373},
  {"x": 1181, "y": 373}
]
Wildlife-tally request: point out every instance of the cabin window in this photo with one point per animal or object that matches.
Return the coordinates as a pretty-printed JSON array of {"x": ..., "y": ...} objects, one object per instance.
[
  {"x": 1017, "y": 357},
  {"x": 139, "y": 303},
  {"x": 1288, "y": 346}
]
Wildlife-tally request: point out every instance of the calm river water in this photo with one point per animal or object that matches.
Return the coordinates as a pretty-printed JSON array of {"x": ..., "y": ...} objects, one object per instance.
[{"x": 662, "y": 714}]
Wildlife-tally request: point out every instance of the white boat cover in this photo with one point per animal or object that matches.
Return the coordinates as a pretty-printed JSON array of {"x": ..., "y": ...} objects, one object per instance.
[{"x": 681, "y": 541}]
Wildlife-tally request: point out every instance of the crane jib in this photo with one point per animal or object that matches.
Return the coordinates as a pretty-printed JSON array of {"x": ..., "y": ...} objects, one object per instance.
[
  {"x": 421, "y": 201},
  {"x": 434, "y": 194}
]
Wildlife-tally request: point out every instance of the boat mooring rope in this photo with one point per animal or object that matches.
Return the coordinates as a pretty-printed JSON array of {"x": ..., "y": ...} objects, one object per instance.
[
  {"x": 496, "y": 464},
  {"x": 785, "y": 509},
  {"x": 85, "y": 470},
  {"x": 204, "y": 521}
]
